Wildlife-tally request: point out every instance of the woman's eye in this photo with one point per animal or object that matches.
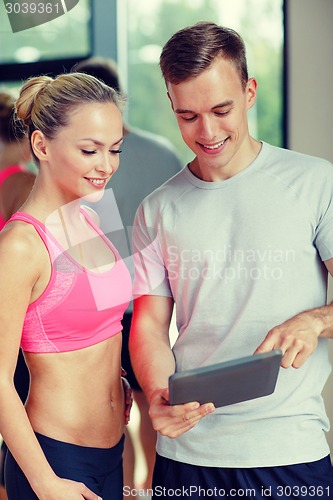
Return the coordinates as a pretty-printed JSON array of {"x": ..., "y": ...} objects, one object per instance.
[
  {"x": 116, "y": 151},
  {"x": 87, "y": 152}
]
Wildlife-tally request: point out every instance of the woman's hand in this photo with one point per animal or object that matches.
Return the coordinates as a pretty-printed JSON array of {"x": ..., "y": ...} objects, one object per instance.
[
  {"x": 63, "y": 489},
  {"x": 172, "y": 421}
]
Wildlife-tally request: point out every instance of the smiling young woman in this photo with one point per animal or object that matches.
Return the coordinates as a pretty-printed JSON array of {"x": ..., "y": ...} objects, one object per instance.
[{"x": 65, "y": 308}]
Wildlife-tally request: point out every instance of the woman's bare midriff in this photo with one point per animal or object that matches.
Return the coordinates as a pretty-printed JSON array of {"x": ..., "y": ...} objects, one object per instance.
[{"x": 77, "y": 397}]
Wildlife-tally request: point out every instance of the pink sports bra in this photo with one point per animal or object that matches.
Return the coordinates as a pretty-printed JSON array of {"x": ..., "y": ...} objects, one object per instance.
[
  {"x": 78, "y": 308},
  {"x": 4, "y": 174}
]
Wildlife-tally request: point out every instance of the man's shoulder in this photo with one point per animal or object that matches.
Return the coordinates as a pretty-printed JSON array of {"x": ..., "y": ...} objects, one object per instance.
[
  {"x": 298, "y": 158},
  {"x": 169, "y": 192},
  {"x": 293, "y": 166}
]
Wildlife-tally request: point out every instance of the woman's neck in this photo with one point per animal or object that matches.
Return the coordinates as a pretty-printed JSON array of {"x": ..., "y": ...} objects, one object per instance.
[{"x": 45, "y": 203}]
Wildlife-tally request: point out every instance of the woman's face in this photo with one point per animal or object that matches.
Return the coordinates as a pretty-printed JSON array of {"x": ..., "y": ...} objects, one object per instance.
[{"x": 84, "y": 155}]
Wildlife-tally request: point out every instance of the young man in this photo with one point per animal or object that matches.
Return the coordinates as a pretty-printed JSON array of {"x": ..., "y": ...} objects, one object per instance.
[{"x": 241, "y": 242}]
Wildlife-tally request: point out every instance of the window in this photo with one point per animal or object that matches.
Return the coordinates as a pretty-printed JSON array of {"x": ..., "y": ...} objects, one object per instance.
[
  {"x": 150, "y": 24},
  {"x": 143, "y": 28},
  {"x": 50, "y": 47},
  {"x": 57, "y": 39}
]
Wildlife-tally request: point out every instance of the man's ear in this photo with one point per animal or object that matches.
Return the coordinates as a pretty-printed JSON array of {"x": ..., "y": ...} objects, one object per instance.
[
  {"x": 251, "y": 90},
  {"x": 38, "y": 144}
]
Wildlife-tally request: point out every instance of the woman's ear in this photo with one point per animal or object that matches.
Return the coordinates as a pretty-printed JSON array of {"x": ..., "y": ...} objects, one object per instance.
[{"x": 38, "y": 144}]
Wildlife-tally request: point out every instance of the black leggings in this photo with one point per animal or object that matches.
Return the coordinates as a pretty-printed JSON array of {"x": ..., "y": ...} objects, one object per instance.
[{"x": 100, "y": 469}]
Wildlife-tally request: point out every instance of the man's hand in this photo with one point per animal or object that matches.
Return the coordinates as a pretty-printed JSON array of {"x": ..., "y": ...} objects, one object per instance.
[
  {"x": 128, "y": 395},
  {"x": 172, "y": 421},
  {"x": 297, "y": 338}
]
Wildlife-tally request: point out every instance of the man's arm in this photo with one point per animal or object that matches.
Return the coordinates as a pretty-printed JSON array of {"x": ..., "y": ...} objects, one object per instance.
[
  {"x": 298, "y": 337},
  {"x": 153, "y": 362},
  {"x": 149, "y": 344}
]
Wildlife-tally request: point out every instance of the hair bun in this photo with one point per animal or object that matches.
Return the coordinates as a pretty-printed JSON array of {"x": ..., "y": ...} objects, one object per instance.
[{"x": 28, "y": 95}]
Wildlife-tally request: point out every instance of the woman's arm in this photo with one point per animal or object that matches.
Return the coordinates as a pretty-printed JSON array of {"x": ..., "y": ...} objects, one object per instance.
[{"x": 21, "y": 260}]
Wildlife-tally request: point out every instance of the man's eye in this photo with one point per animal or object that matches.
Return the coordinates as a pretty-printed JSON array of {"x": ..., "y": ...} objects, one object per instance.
[
  {"x": 189, "y": 118},
  {"x": 222, "y": 113}
]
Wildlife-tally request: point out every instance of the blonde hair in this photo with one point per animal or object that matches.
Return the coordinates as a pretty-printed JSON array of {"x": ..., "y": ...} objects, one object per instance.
[{"x": 45, "y": 103}]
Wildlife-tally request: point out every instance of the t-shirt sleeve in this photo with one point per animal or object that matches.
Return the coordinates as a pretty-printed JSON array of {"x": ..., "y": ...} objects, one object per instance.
[
  {"x": 150, "y": 275},
  {"x": 324, "y": 229}
]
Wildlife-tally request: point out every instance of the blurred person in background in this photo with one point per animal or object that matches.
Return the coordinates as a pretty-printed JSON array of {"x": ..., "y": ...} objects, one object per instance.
[
  {"x": 147, "y": 161},
  {"x": 16, "y": 181}
]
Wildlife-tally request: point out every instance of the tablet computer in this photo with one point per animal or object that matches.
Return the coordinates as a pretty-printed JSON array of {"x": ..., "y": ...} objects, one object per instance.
[{"x": 228, "y": 382}]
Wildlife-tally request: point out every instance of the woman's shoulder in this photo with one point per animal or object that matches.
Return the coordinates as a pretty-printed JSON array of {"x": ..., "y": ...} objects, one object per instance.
[{"x": 19, "y": 244}]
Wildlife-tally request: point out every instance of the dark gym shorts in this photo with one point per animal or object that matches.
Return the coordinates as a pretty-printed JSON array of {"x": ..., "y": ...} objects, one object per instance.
[
  {"x": 100, "y": 469},
  {"x": 312, "y": 480}
]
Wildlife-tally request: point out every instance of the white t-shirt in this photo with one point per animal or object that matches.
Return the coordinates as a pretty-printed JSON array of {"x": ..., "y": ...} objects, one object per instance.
[{"x": 239, "y": 257}]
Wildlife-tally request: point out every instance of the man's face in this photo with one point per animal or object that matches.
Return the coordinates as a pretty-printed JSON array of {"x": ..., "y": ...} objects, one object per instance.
[{"x": 211, "y": 111}]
